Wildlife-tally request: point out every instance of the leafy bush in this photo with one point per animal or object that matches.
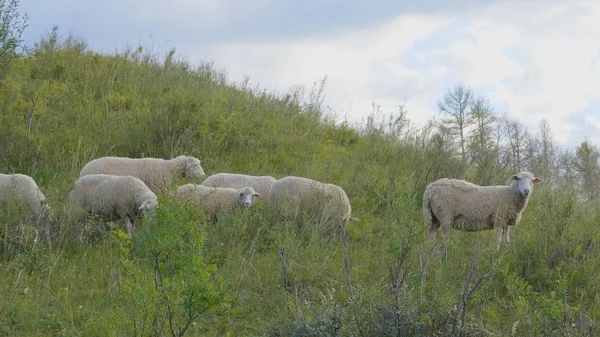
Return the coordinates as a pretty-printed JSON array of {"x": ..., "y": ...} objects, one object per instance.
[{"x": 166, "y": 278}]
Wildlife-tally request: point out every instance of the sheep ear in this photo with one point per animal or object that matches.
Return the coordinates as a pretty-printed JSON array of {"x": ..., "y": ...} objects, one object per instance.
[
  {"x": 510, "y": 180},
  {"x": 186, "y": 167},
  {"x": 257, "y": 195},
  {"x": 537, "y": 180}
]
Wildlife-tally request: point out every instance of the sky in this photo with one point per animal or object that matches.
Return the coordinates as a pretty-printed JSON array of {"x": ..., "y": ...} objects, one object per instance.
[{"x": 533, "y": 59}]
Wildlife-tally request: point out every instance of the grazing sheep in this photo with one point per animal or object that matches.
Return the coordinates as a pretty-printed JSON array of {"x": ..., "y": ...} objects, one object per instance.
[
  {"x": 215, "y": 200},
  {"x": 469, "y": 207},
  {"x": 112, "y": 197},
  {"x": 261, "y": 184},
  {"x": 158, "y": 174},
  {"x": 326, "y": 202},
  {"x": 24, "y": 189}
]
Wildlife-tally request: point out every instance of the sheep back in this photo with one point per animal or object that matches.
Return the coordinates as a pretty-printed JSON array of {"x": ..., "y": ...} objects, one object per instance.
[
  {"x": 157, "y": 173},
  {"x": 470, "y": 207},
  {"x": 261, "y": 184},
  {"x": 211, "y": 199},
  {"x": 111, "y": 196},
  {"x": 323, "y": 201},
  {"x": 24, "y": 189}
]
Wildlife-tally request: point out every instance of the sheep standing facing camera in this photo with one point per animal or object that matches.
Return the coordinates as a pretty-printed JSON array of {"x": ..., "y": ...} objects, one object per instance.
[
  {"x": 23, "y": 188},
  {"x": 458, "y": 204},
  {"x": 114, "y": 197},
  {"x": 214, "y": 200},
  {"x": 157, "y": 173}
]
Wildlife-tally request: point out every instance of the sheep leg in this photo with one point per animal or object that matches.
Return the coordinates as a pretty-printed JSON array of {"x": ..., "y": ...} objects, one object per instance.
[
  {"x": 128, "y": 226},
  {"x": 43, "y": 227},
  {"x": 445, "y": 225},
  {"x": 506, "y": 232},
  {"x": 214, "y": 219},
  {"x": 499, "y": 231},
  {"x": 433, "y": 228}
]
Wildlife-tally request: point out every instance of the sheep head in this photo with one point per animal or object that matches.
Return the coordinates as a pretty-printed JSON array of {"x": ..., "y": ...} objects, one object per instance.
[
  {"x": 192, "y": 168},
  {"x": 148, "y": 207},
  {"x": 246, "y": 196},
  {"x": 523, "y": 182}
]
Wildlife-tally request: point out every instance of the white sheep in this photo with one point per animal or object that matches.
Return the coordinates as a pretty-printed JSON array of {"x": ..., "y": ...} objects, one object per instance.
[
  {"x": 261, "y": 184},
  {"x": 327, "y": 202},
  {"x": 22, "y": 188},
  {"x": 112, "y": 197},
  {"x": 214, "y": 200},
  {"x": 157, "y": 173},
  {"x": 469, "y": 207}
]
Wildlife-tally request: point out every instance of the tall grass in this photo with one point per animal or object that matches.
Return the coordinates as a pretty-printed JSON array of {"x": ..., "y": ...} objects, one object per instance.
[{"x": 62, "y": 105}]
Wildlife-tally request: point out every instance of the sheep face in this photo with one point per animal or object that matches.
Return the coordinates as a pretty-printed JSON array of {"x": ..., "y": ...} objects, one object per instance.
[
  {"x": 193, "y": 169},
  {"x": 148, "y": 207},
  {"x": 524, "y": 182},
  {"x": 246, "y": 196}
]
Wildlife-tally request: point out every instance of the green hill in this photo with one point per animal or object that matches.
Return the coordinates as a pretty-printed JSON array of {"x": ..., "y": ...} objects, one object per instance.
[{"x": 62, "y": 105}]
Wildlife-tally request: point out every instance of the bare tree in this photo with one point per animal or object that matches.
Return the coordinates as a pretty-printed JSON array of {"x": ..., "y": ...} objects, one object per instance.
[
  {"x": 482, "y": 147},
  {"x": 543, "y": 153},
  {"x": 586, "y": 165},
  {"x": 517, "y": 140},
  {"x": 456, "y": 103},
  {"x": 567, "y": 174},
  {"x": 499, "y": 135},
  {"x": 548, "y": 149}
]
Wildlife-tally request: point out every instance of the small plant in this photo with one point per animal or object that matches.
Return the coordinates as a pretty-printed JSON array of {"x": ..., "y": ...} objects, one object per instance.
[{"x": 166, "y": 278}]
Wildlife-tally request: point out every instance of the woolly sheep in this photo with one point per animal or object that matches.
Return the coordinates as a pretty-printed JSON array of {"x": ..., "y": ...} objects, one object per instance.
[
  {"x": 261, "y": 184},
  {"x": 112, "y": 197},
  {"x": 215, "y": 200},
  {"x": 289, "y": 194},
  {"x": 469, "y": 207},
  {"x": 23, "y": 188},
  {"x": 157, "y": 173}
]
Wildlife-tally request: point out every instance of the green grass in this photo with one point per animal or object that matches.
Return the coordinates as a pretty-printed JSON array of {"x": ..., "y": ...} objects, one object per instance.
[{"x": 275, "y": 279}]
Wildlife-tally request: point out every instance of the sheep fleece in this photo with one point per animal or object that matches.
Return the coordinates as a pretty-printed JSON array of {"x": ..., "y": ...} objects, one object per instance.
[
  {"x": 289, "y": 191},
  {"x": 211, "y": 199},
  {"x": 111, "y": 196},
  {"x": 157, "y": 173},
  {"x": 24, "y": 189},
  {"x": 261, "y": 184},
  {"x": 470, "y": 207}
]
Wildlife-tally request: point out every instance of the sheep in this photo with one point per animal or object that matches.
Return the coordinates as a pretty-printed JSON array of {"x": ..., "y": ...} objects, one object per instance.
[
  {"x": 23, "y": 189},
  {"x": 214, "y": 200},
  {"x": 469, "y": 207},
  {"x": 261, "y": 184},
  {"x": 112, "y": 197},
  {"x": 326, "y": 202},
  {"x": 157, "y": 173}
]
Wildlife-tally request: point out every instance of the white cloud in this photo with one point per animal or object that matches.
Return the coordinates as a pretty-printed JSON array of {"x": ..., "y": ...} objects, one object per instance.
[
  {"x": 538, "y": 58},
  {"x": 593, "y": 121},
  {"x": 360, "y": 65},
  {"x": 189, "y": 14}
]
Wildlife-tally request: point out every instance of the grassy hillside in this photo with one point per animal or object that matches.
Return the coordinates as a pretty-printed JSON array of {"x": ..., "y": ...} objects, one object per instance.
[{"x": 251, "y": 274}]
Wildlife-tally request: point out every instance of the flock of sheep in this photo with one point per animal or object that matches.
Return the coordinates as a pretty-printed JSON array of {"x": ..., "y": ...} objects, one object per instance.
[
  {"x": 120, "y": 188},
  {"x": 126, "y": 188}
]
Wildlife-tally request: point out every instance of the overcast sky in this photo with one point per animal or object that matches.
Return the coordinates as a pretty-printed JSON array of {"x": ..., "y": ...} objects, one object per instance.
[{"x": 532, "y": 59}]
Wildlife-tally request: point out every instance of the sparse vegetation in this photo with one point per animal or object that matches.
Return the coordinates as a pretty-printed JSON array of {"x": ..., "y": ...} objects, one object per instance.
[{"x": 252, "y": 274}]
